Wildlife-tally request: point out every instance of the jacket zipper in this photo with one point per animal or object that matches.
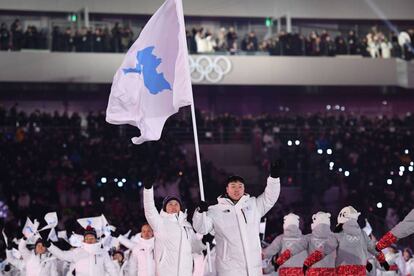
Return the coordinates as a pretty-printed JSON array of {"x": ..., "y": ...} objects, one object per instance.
[
  {"x": 244, "y": 216},
  {"x": 179, "y": 249}
]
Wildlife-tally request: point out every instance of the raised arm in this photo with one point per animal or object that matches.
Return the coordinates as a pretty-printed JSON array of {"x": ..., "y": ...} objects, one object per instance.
[
  {"x": 67, "y": 256},
  {"x": 151, "y": 213},
  {"x": 109, "y": 266},
  {"x": 23, "y": 250},
  {"x": 127, "y": 242},
  {"x": 268, "y": 198},
  {"x": 265, "y": 201}
]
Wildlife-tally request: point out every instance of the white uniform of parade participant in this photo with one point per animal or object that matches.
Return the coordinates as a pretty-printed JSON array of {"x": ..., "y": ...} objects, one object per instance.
[
  {"x": 235, "y": 221},
  {"x": 90, "y": 259},
  {"x": 121, "y": 263},
  {"x": 396, "y": 262},
  {"x": 141, "y": 261},
  {"x": 175, "y": 239},
  {"x": 38, "y": 262},
  {"x": 202, "y": 265},
  {"x": 14, "y": 264}
]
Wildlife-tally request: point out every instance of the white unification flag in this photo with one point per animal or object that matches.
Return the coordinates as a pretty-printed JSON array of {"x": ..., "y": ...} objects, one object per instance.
[
  {"x": 51, "y": 220},
  {"x": 154, "y": 79},
  {"x": 30, "y": 228}
]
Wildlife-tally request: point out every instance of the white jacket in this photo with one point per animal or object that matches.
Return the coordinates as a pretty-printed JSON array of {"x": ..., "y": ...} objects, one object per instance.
[
  {"x": 236, "y": 228},
  {"x": 409, "y": 267},
  {"x": 17, "y": 265},
  {"x": 88, "y": 260},
  {"x": 37, "y": 265},
  {"x": 141, "y": 262},
  {"x": 175, "y": 239},
  {"x": 122, "y": 270}
]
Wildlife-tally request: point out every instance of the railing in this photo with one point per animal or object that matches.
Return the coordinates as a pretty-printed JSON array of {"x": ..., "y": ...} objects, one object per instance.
[{"x": 214, "y": 135}]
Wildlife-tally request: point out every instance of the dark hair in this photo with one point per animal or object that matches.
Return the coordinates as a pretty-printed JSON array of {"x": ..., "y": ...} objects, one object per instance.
[
  {"x": 234, "y": 178},
  {"x": 143, "y": 224}
]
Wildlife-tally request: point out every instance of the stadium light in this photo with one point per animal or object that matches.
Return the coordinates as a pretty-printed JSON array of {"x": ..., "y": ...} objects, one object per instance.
[
  {"x": 379, "y": 205},
  {"x": 120, "y": 184},
  {"x": 401, "y": 173},
  {"x": 320, "y": 151},
  {"x": 410, "y": 168},
  {"x": 139, "y": 183},
  {"x": 389, "y": 181},
  {"x": 104, "y": 180},
  {"x": 329, "y": 151},
  {"x": 346, "y": 173},
  {"x": 297, "y": 142},
  {"x": 331, "y": 164},
  {"x": 340, "y": 169},
  {"x": 102, "y": 199},
  {"x": 328, "y": 107},
  {"x": 289, "y": 143},
  {"x": 115, "y": 179},
  {"x": 406, "y": 151},
  {"x": 402, "y": 168},
  {"x": 123, "y": 180}
]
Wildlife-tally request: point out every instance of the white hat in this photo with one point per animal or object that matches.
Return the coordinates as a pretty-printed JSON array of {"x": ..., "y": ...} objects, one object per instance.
[
  {"x": 321, "y": 218},
  {"x": 290, "y": 219},
  {"x": 348, "y": 213}
]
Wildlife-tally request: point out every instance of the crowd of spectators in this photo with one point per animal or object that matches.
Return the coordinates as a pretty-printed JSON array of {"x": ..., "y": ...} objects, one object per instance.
[
  {"x": 375, "y": 43},
  {"x": 16, "y": 38},
  {"x": 82, "y": 166}
]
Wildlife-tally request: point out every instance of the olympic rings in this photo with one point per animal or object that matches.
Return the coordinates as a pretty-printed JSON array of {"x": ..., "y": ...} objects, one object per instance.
[{"x": 211, "y": 69}]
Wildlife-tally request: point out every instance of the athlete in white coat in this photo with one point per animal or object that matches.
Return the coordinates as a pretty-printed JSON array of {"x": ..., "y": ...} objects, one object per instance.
[
  {"x": 175, "y": 239},
  {"x": 88, "y": 260},
  {"x": 38, "y": 262},
  {"x": 141, "y": 262},
  {"x": 121, "y": 264},
  {"x": 13, "y": 265},
  {"x": 235, "y": 221}
]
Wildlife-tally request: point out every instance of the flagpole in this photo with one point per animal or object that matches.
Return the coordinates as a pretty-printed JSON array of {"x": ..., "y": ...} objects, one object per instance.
[
  {"x": 197, "y": 151},
  {"x": 200, "y": 176}
]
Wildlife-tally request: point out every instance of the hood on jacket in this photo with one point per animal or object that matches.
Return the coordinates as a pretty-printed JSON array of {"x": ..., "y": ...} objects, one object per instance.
[
  {"x": 292, "y": 231},
  {"x": 348, "y": 213},
  {"x": 290, "y": 220},
  {"x": 224, "y": 199},
  {"x": 93, "y": 248},
  {"x": 321, "y": 218},
  {"x": 321, "y": 231},
  {"x": 351, "y": 227}
]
